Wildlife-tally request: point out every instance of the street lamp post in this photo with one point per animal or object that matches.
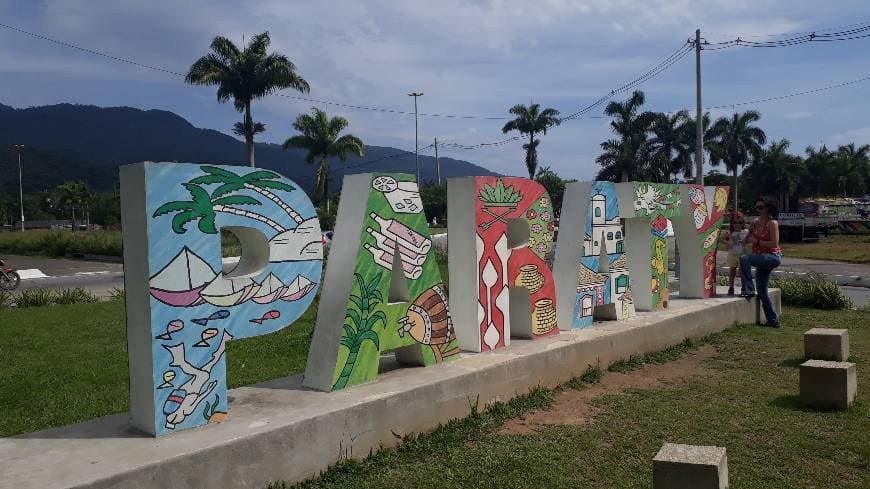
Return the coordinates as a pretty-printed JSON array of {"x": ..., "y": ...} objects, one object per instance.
[
  {"x": 416, "y": 136},
  {"x": 19, "y": 147}
]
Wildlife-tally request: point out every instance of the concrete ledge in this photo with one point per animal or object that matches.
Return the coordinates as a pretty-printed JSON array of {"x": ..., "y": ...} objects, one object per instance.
[{"x": 279, "y": 431}]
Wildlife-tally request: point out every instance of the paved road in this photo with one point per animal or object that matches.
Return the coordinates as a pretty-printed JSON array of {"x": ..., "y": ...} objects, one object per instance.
[{"x": 60, "y": 273}]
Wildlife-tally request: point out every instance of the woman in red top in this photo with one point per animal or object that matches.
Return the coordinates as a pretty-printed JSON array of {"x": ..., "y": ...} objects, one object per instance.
[{"x": 766, "y": 255}]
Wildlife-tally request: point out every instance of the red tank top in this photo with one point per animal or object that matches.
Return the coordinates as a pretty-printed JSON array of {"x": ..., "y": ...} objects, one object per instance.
[{"x": 763, "y": 234}]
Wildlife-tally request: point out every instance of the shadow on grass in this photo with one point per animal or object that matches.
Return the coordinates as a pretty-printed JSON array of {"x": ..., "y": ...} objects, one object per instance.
[
  {"x": 791, "y": 362},
  {"x": 793, "y": 403}
]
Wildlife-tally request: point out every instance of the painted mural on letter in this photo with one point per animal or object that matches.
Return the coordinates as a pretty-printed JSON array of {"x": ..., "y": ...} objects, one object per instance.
[
  {"x": 394, "y": 227},
  {"x": 198, "y": 304},
  {"x": 708, "y": 206},
  {"x": 658, "y": 202},
  {"x": 500, "y": 267},
  {"x": 601, "y": 283}
]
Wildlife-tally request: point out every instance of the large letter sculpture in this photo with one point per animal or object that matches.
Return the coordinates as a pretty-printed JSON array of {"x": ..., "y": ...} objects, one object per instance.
[
  {"x": 183, "y": 305},
  {"x": 594, "y": 277},
  {"x": 383, "y": 290},
  {"x": 697, "y": 233},
  {"x": 500, "y": 238},
  {"x": 646, "y": 208}
]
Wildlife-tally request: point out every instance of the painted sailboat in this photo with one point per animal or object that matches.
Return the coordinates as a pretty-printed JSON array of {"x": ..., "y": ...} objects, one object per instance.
[
  {"x": 181, "y": 281},
  {"x": 271, "y": 290},
  {"x": 228, "y": 292},
  {"x": 298, "y": 288}
]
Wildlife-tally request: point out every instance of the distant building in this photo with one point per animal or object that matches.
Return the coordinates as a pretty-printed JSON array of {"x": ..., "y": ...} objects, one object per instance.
[{"x": 46, "y": 224}]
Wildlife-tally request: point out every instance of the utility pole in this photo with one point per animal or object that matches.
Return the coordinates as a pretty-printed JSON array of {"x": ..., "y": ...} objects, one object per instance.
[
  {"x": 416, "y": 137},
  {"x": 19, "y": 147},
  {"x": 699, "y": 114},
  {"x": 437, "y": 164}
]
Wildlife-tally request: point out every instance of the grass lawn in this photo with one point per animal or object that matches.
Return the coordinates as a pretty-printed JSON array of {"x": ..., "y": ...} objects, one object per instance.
[
  {"x": 745, "y": 400},
  {"x": 839, "y": 247},
  {"x": 66, "y": 364}
]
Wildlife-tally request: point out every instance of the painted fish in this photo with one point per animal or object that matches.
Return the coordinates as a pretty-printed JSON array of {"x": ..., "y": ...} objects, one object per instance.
[
  {"x": 266, "y": 317},
  {"x": 222, "y": 314},
  {"x": 205, "y": 336},
  {"x": 172, "y": 327}
]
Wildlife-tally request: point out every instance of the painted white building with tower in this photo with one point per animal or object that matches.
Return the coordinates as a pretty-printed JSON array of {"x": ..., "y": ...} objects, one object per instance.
[{"x": 607, "y": 233}]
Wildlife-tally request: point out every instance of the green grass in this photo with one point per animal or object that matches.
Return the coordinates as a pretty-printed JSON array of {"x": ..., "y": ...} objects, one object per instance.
[
  {"x": 657, "y": 358},
  {"x": 61, "y": 243},
  {"x": 839, "y": 247},
  {"x": 68, "y": 363},
  {"x": 746, "y": 401}
]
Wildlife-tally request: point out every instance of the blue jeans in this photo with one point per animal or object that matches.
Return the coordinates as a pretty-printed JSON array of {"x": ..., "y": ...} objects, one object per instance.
[{"x": 764, "y": 264}]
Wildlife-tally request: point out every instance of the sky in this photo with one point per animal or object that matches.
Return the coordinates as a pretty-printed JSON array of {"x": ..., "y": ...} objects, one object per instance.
[{"x": 474, "y": 58}]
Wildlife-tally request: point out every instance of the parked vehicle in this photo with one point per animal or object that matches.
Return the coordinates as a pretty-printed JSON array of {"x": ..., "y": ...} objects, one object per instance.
[
  {"x": 9, "y": 279},
  {"x": 796, "y": 226}
]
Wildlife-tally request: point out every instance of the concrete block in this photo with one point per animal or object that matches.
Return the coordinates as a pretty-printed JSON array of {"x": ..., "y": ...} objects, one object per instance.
[
  {"x": 828, "y": 385},
  {"x": 826, "y": 344},
  {"x": 690, "y": 467}
]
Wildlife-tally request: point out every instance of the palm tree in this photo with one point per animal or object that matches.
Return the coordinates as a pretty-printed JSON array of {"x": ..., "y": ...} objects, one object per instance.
[
  {"x": 203, "y": 208},
  {"x": 320, "y": 137},
  {"x": 668, "y": 149},
  {"x": 531, "y": 120},
  {"x": 852, "y": 168},
  {"x": 776, "y": 172},
  {"x": 245, "y": 75},
  {"x": 622, "y": 159},
  {"x": 260, "y": 181},
  {"x": 735, "y": 141}
]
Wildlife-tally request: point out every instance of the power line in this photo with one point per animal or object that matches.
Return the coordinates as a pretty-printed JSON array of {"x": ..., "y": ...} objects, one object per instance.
[
  {"x": 795, "y": 94},
  {"x": 791, "y": 33},
  {"x": 814, "y": 36}
]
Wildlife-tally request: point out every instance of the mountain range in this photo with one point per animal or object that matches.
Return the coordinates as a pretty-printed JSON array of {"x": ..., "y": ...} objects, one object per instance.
[{"x": 84, "y": 142}]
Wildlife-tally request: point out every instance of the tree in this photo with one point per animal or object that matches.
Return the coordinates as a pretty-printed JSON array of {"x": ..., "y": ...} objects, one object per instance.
[
  {"x": 622, "y": 159},
  {"x": 244, "y": 76},
  {"x": 734, "y": 141},
  {"x": 776, "y": 173},
  {"x": 261, "y": 181},
  {"x": 555, "y": 187},
  {"x": 320, "y": 137},
  {"x": 668, "y": 150},
  {"x": 531, "y": 120},
  {"x": 74, "y": 195},
  {"x": 852, "y": 168}
]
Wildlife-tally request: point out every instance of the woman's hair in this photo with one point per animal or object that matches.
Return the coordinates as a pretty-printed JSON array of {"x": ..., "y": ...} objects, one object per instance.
[
  {"x": 735, "y": 215},
  {"x": 772, "y": 208}
]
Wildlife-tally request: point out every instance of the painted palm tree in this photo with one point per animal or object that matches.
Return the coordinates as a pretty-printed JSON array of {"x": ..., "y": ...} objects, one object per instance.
[
  {"x": 320, "y": 137},
  {"x": 203, "y": 208},
  {"x": 243, "y": 76},
  {"x": 623, "y": 158},
  {"x": 359, "y": 325},
  {"x": 531, "y": 120},
  {"x": 668, "y": 148},
  {"x": 260, "y": 181},
  {"x": 736, "y": 142}
]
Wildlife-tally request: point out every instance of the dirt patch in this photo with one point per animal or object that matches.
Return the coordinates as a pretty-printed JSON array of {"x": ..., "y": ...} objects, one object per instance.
[{"x": 574, "y": 407}]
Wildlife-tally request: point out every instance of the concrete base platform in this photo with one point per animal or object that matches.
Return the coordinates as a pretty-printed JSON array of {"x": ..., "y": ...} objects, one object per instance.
[{"x": 280, "y": 431}]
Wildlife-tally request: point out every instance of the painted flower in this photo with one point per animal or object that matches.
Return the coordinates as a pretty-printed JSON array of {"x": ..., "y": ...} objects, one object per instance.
[
  {"x": 547, "y": 238},
  {"x": 541, "y": 247},
  {"x": 545, "y": 202},
  {"x": 533, "y": 241},
  {"x": 660, "y": 224},
  {"x": 536, "y": 228},
  {"x": 546, "y": 216},
  {"x": 531, "y": 214},
  {"x": 551, "y": 227}
]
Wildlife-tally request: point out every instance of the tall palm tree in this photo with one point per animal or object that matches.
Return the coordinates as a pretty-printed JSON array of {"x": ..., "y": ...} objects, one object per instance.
[
  {"x": 531, "y": 120},
  {"x": 735, "y": 141},
  {"x": 852, "y": 168},
  {"x": 668, "y": 148},
  {"x": 622, "y": 159},
  {"x": 203, "y": 208},
  {"x": 320, "y": 137},
  {"x": 776, "y": 172},
  {"x": 260, "y": 181},
  {"x": 243, "y": 76}
]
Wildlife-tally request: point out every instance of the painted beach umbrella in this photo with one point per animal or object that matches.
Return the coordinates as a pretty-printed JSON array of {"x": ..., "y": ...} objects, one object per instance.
[
  {"x": 227, "y": 292},
  {"x": 180, "y": 282},
  {"x": 271, "y": 290},
  {"x": 298, "y": 288}
]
